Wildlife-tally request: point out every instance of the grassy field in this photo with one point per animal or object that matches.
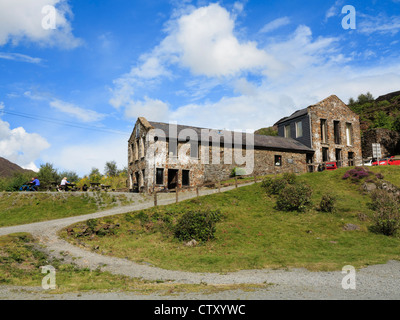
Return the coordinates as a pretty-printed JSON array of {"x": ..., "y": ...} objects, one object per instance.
[
  {"x": 253, "y": 234},
  {"x": 20, "y": 263},
  {"x": 20, "y": 207}
]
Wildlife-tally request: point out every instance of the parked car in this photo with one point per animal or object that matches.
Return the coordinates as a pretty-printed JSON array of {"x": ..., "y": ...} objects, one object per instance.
[
  {"x": 331, "y": 166},
  {"x": 394, "y": 161},
  {"x": 380, "y": 162},
  {"x": 391, "y": 161},
  {"x": 368, "y": 163}
]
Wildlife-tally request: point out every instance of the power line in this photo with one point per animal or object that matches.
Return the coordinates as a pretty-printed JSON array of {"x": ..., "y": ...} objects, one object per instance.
[{"x": 63, "y": 123}]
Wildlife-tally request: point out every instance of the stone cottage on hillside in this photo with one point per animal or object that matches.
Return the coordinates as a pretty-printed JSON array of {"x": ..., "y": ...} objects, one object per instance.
[
  {"x": 330, "y": 128},
  {"x": 164, "y": 156}
]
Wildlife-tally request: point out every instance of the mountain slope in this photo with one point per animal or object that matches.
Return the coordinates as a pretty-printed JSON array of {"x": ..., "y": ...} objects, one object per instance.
[{"x": 7, "y": 168}]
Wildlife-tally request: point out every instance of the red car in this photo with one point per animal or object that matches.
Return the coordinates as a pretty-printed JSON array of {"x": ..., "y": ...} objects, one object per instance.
[
  {"x": 392, "y": 161},
  {"x": 331, "y": 166}
]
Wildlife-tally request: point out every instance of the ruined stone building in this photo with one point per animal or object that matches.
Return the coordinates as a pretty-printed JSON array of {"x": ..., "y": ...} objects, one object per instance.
[
  {"x": 164, "y": 156},
  {"x": 330, "y": 128}
]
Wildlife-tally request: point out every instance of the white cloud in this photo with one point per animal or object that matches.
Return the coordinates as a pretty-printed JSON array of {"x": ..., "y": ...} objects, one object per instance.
[
  {"x": 260, "y": 85},
  {"x": 82, "y": 157},
  {"x": 21, "y": 20},
  {"x": 275, "y": 24},
  {"x": 81, "y": 114},
  {"x": 334, "y": 10},
  {"x": 378, "y": 24},
  {"x": 149, "y": 108},
  {"x": 19, "y": 57},
  {"x": 209, "y": 47},
  {"x": 21, "y": 147}
]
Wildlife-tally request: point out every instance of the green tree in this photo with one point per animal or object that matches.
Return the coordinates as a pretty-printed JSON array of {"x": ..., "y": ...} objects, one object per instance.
[
  {"x": 95, "y": 175},
  {"x": 72, "y": 176},
  {"x": 364, "y": 98},
  {"x": 47, "y": 173},
  {"x": 111, "y": 169}
]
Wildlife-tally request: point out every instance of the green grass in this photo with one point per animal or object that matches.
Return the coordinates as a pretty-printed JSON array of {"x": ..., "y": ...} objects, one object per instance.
[
  {"x": 21, "y": 262},
  {"x": 253, "y": 234},
  {"x": 18, "y": 208}
]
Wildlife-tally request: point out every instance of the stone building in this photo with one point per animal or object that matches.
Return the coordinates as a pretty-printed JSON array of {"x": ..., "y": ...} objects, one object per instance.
[
  {"x": 164, "y": 156},
  {"x": 330, "y": 128}
]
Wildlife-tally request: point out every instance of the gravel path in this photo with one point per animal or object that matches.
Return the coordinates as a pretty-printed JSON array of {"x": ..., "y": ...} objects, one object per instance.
[{"x": 374, "y": 282}]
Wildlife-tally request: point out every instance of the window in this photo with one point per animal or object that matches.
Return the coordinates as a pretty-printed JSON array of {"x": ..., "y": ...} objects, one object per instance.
[
  {"x": 325, "y": 154},
  {"x": 160, "y": 176},
  {"x": 287, "y": 131},
  {"x": 324, "y": 132},
  {"x": 278, "y": 161},
  {"x": 349, "y": 134},
  {"x": 194, "y": 149},
  {"x": 299, "y": 129},
  {"x": 185, "y": 177},
  {"x": 336, "y": 132},
  {"x": 143, "y": 142},
  {"x": 338, "y": 154},
  {"x": 173, "y": 147},
  {"x": 137, "y": 150},
  {"x": 143, "y": 177}
]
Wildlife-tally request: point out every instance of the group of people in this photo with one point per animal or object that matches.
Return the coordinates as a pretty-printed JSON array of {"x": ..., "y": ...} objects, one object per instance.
[{"x": 34, "y": 185}]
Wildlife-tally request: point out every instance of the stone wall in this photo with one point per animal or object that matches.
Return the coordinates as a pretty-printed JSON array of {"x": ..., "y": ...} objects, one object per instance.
[{"x": 389, "y": 141}]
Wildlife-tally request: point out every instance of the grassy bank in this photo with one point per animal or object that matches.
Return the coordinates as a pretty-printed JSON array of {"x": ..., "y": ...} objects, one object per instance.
[
  {"x": 21, "y": 207},
  {"x": 253, "y": 234},
  {"x": 21, "y": 262}
]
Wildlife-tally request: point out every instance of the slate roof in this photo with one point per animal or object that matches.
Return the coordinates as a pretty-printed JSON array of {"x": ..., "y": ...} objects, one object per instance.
[
  {"x": 260, "y": 141},
  {"x": 294, "y": 115}
]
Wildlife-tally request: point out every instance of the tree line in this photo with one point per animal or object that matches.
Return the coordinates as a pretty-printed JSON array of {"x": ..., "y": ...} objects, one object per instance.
[{"x": 48, "y": 174}]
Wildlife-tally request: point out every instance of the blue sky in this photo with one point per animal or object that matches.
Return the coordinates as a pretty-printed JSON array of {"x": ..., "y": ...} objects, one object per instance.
[{"x": 70, "y": 95}]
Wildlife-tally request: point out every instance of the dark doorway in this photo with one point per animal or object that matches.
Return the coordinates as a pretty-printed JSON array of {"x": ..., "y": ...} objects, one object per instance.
[
  {"x": 310, "y": 160},
  {"x": 172, "y": 178},
  {"x": 338, "y": 153},
  {"x": 351, "y": 159}
]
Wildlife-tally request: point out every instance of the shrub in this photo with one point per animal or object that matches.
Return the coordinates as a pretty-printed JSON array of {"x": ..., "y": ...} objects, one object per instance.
[
  {"x": 276, "y": 185},
  {"x": 294, "y": 197},
  {"x": 356, "y": 174},
  {"x": 328, "y": 203},
  {"x": 197, "y": 225},
  {"x": 387, "y": 212}
]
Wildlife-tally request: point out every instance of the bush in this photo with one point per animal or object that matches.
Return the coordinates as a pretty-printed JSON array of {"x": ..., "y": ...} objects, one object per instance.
[
  {"x": 357, "y": 174},
  {"x": 197, "y": 225},
  {"x": 276, "y": 185},
  {"x": 328, "y": 203},
  {"x": 387, "y": 212},
  {"x": 294, "y": 197}
]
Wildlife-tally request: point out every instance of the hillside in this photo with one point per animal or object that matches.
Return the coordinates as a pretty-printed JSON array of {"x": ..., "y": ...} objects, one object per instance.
[
  {"x": 383, "y": 112},
  {"x": 269, "y": 131},
  {"x": 7, "y": 168}
]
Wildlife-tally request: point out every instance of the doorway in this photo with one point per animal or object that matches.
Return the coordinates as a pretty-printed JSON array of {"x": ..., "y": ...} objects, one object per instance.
[{"x": 172, "y": 178}]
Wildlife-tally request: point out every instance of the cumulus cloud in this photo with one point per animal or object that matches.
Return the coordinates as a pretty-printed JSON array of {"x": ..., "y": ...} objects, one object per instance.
[
  {"x": 21, "y": 147},
  {"x": 260, "y": 84},
  {"x": 209, "y": 47},
  {"x": 21, "y": 20},
  {"x": 82, "y": 157}
]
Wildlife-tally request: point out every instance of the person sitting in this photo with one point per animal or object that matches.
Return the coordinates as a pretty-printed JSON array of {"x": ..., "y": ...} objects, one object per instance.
[
  {"x": 64, "y": 184},
  {"x": 35, "y": 184}
]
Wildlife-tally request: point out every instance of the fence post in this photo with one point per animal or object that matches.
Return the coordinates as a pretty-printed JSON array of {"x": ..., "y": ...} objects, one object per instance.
[
  {"x": 155, "y": 198},
  {"x": 255, "y": 177},
  {"x": 176, "y": 194},
  {"x": 236, "y": 185},
  {"x": 219, "y": 186},
  {"x": 197, "y": 191}
]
